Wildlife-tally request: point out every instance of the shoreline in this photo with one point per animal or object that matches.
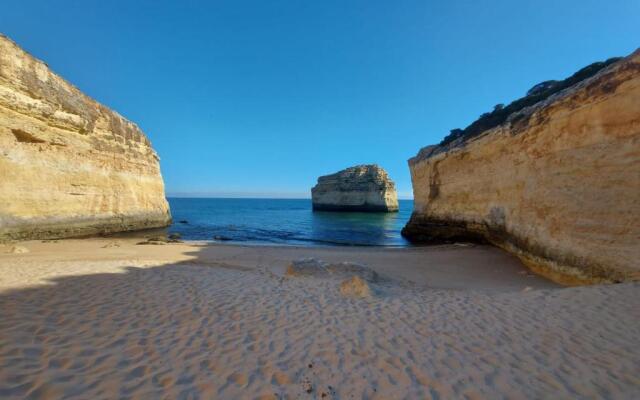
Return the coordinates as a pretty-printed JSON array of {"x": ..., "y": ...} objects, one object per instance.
[
  {"x": 445, "y": 266},
  {"x": 555, "y": 276}
]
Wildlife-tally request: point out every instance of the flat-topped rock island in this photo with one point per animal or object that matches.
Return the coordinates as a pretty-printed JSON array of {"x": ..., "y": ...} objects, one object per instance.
[{"x": 365, "y": 188}]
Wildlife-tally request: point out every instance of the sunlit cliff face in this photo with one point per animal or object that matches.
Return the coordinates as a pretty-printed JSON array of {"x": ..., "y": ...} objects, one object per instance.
[
  {"x": 558, "y": 184},
  {"x": 68, "y": 165}
]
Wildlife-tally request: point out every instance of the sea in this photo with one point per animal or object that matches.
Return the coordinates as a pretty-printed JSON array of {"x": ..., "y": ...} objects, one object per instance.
[{"x": 284, "y": 222}]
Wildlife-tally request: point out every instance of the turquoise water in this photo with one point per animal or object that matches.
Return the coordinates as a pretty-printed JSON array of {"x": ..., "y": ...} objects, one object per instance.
[{"x": 284, "y": 221}]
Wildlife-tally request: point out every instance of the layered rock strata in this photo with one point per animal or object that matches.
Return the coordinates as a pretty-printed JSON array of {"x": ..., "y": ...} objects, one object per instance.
[
  {"x": 69, "y": 166},
  {"x": 361, "y": 188},
  {"x": 557, "y": 184}
]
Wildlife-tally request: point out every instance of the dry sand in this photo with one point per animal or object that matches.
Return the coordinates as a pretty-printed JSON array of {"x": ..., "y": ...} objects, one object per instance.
[{"x": 105, "y": 318}]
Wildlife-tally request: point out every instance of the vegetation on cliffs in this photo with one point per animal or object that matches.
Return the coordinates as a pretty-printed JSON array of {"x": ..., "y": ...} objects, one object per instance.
[{"x": 537, "y": 93}]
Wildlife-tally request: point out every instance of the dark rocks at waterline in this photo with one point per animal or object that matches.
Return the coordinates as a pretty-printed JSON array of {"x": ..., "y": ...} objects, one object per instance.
[
  {"x": 161, "y": 240},
  {"x": 221, "y": 238}
]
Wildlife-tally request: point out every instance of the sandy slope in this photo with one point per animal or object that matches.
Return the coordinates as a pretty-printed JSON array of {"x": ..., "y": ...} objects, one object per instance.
[{"x": 81, "y": 320}]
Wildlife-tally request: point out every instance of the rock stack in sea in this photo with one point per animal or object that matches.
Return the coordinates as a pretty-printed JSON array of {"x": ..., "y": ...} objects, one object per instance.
[
  {"x": 553, "y": 177},
  {"x": 360, "y": 188},
  {"x": 69, "y": 166}
]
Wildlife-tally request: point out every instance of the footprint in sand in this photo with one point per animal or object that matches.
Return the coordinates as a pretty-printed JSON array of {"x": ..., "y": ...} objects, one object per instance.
[
  {"x": 238, "y": 378},
  {"x": 166, "y": 381},
  {"x": 280, "y": 378},
  {"x": 138, "y": 372}
]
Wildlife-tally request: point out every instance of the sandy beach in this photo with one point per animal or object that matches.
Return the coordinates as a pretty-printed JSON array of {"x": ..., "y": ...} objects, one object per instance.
[{"x": 106, "y": 318}]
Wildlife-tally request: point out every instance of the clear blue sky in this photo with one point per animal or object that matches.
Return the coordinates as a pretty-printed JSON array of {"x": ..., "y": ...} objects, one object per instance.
[{"x": 261, "y": 97}]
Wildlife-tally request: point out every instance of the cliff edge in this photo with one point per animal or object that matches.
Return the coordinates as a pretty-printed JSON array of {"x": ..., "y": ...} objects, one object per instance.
[
  {"x": 365, "y": 188},
  {"x": 557, "y": 182},
  {"x": 69, "y": 166}
]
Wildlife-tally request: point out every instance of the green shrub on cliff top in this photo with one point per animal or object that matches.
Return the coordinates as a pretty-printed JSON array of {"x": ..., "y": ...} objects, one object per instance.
[{"x": 536, "y": 94}]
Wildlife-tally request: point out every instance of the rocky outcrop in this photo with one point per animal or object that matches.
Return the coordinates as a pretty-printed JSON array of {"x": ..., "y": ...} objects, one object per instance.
[
  {"x": 313, "y": 267},
  {"x": 355, "y": 287},
  {"x": 356, "y": 279},
  {"x": 557, "y": 183},
  {"x": 359, "y": 188},
  {"x": 69, "y": 166}
]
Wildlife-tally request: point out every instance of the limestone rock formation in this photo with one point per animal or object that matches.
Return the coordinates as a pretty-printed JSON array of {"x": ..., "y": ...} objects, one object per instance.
[
  {"x": 312, "y": 267},
  {"x": 355, "y": 287},
  {"x": 558, "y": 183},
  {"x": 355, "y": 279},
  {"x": 359, "y": 188},
  {"x": 69, "y": 166}
]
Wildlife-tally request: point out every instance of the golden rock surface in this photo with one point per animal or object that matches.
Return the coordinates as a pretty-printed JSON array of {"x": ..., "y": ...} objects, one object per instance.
[
  {"x": 558, "y": 185},
  {"x": 69, "y": 166}
]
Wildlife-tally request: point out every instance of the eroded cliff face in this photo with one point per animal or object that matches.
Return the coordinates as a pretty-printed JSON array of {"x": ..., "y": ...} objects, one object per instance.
[
  {"x": 361, "y": 188},
  {"x": 69, "y": 166},
  {"x": 558, "y": 184}
]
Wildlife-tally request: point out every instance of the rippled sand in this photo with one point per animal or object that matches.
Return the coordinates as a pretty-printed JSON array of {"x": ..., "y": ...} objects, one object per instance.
[{"x": 104, "y": 319}]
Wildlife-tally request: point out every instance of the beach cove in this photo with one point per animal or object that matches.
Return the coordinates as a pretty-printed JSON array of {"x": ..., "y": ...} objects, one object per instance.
[{"x": 319, "y": 200}]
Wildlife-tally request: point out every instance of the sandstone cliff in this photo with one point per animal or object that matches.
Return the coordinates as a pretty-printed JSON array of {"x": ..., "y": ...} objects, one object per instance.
[
  {"x": 359, "y": 188},
  {"x": 557, "y": 183},
  {"x": 68, "y": 165}
]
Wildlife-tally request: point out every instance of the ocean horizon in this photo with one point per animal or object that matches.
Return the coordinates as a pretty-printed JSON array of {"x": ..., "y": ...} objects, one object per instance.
[{"x": 284, "y": 222}]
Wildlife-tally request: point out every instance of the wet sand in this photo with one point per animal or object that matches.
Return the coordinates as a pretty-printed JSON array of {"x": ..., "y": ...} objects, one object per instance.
[{"x": 106, "y": 318}]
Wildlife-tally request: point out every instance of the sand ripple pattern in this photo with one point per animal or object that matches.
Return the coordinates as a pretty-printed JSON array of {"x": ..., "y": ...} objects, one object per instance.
[{"x": 202, "y": 332}]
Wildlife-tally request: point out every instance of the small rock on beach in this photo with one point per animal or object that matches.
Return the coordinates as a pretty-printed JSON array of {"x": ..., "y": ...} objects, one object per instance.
[
  {"x": 355, "y": 287},
  {"x": 17, "y": 250}
]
